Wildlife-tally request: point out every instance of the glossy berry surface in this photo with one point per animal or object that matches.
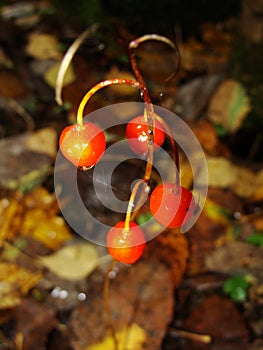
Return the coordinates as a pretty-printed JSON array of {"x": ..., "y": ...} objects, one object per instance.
[
  {"x": 137, "y": 135},
  {"x": 126, "y": 246},
  {"x": 172, "y": 205},
  {"x": 82, "y": 145}
]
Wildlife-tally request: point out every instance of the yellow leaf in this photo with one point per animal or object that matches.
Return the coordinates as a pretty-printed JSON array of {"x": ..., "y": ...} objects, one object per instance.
[
  {"x": 216, "y": 212},
  {"x": 130, "y": 338},
  {"x": 43, "y": 46},
  {"x": 51, "y": 75},
  {"x": 52, "y": 232},
  {"x": 8, "y": 218},
  {"x": 72, "y": 262},
  {"x": 15, "y": 281}
]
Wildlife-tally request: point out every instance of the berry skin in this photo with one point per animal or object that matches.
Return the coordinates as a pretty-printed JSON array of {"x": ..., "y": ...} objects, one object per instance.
[
  {"x": 137, "y": 134},
  {"x": 82, "y": 145},
  {"x": 172, "y": 205},
  {"x": 123, "y": 246}
]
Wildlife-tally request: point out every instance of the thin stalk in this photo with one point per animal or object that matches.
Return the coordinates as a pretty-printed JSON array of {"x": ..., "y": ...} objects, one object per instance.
[
  {"x": 149, "y": 110},
  {"x": 68, "y": 58},
  {"x": 97, "y": 87},
  {"x": 106, "y": 289},
  {"x": 173, "y": 145},
  {"x": 202, "y": 338},
  {"x": 131, "y": 204}
]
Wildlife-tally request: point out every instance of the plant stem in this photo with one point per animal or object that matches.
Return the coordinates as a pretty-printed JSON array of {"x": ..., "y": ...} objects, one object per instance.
[
  {"x": 68, "y": 58},
  {"x": 150, "y": 115},
  {"x": 173, "y": 145},
  {"x": 131, "y": 204},
  {"x": 97, "y": 87},
  {"x": 106, "y": 289}
]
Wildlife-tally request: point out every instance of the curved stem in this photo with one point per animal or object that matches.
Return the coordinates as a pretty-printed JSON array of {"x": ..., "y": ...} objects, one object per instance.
[
  {"x": 97, "y": 87},
  {"x": 173, "y": 145},
  {"x": 106, "y": 289},
  {"x": 131, "y": 204},
  {"x": 149, "y": 110},
  {"x": 68, "y": 58}
]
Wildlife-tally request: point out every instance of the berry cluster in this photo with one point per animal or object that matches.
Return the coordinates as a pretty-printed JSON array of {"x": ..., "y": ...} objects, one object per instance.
[
  {"x": 170, "y": 204},
  {"x": 84, "y": 143}
]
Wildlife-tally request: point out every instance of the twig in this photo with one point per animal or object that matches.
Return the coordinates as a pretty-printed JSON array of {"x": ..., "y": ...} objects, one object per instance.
[
  {"x": 107, "y": 305},
  {"x": 202, "y": 338}
]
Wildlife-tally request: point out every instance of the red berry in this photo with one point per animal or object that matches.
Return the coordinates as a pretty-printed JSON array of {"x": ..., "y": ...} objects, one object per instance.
[
  {"x": 82, "y": 145},
  {"x": 172, "y": 205},
  {"x": 126, "y": 246},
  {"x": 137, "y": 134}
]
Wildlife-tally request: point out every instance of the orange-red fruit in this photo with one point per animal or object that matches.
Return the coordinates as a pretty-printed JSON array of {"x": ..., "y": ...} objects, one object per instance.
[
  {"x": 126, "y": 246},
  {"x": 172, "y": 205},
  {"x": 82, "y": 145},
  {"x": 137, "y": 134}
]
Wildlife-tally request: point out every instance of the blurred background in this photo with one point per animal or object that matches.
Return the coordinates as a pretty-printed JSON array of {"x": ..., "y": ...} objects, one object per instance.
[{"x": 201, "y": 290}]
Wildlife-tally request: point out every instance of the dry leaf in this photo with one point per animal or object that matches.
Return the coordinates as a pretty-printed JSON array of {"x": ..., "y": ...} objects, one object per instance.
[
  {"x": 43, "y": 46},
  {"x": 11, "y": 86},
  {"x": 197, "y": 56},
  {"x": 15, "y": 282},
  {"x": 23, "y": 166},
  {"x": 35, "y": 215},
  {"x": 130, "y": 338},
  {"x": 222, "y": 173},
  {"x": 43, "y": 141},
  {"x": 73, "y": 262},
  {"x": 142, "y": 294},
  {"x": 258, "y": 187},
  {"x": 51, "y": 75},
  {"x": 229, "y": 105}
]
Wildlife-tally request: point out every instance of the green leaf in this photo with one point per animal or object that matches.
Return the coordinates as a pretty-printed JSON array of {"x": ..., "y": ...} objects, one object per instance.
[
  {"x": 237, "y": 287},
  {"x": 143, "y": 218},
  {"x": 256, "y": 239}
]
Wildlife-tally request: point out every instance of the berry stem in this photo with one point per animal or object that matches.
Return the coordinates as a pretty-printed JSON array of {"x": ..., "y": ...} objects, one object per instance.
[
  {"x": 131, "y": 204},
  {"x": 173, "y": 145},
  {"x": 68, "y": 58},
  {"x": 97, "y": 87},
  {"x": 149, "y": 110},
  {"x": 106, "y": 289}
]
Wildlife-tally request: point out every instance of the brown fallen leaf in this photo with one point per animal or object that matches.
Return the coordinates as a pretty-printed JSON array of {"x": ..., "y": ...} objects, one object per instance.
[
  {"x": 171, "y": 249},
  {"x": 11, "y": 86},
  {"x": 34, "y": 321},
  {"x": 211, "y": 315},
  {"x": 141, "y": 294},
  {"x": 236, "y": 258}
]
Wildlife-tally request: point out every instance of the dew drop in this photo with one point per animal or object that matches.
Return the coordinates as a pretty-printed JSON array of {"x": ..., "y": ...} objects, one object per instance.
[{"x": 86, "y": 168}]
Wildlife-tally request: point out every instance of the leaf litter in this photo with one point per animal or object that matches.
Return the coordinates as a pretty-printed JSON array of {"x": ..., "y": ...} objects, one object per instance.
[{"x": 39, "y": 253}]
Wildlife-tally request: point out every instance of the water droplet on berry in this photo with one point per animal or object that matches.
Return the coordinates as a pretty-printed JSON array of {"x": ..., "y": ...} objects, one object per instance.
[{"x": 86, "y": 168}]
